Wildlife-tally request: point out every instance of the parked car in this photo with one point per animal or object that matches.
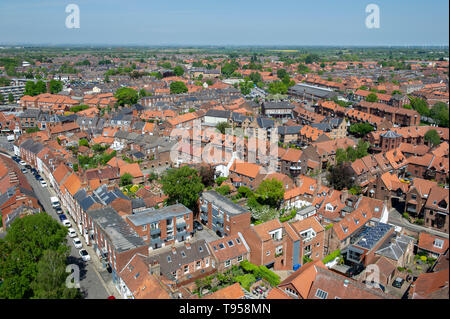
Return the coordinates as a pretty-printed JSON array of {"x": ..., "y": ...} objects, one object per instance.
[
  {"x": 22, "y": 162},
  {"x": 398, "y": 282},
  {"x": 197, "y": 225},
  {"x": 84, "y": 255},
  {"x": 28, "y": 166},
  {"x": 58, "y": 210},
  {"x": 24, "y": 170},
  {"x": 72, "y": 232},
  {"x": 33, "y": 170},
  {"x": 67, "y": 223},
  {"x": 38, "y": 177},
  {"x": 43, "y": 183},
  {"x": 62, "y": 217},
  {"x": 77, "y": 243}
]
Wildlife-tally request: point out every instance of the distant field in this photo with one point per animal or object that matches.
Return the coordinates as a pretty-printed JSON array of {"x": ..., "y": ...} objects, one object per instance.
[{"x": 283, "y": 50}]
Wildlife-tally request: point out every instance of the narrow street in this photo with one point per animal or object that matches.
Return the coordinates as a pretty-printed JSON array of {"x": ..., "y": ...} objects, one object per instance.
[
  {"x": 91, "y": 281},
  {"x": 396, "y": 218}
]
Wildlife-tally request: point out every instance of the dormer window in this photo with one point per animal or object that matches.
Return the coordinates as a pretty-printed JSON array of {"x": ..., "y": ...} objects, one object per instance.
[{"x": 438, "y": 243}]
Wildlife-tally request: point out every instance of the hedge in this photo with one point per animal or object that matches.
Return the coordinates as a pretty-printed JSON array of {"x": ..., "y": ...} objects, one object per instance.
[
  {"x": 290, "y": 216},
  {"x": 332, "y": 256},
  {"x": 261, "y": 272}
]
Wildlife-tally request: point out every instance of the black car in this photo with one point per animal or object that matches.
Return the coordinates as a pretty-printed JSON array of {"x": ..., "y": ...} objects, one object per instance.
[
  {"x": 28, "y": 166},
  {"x": 197, "y": 225},
  {"x": 354, "y": 270},
  {"x": 398, "y": 282}
]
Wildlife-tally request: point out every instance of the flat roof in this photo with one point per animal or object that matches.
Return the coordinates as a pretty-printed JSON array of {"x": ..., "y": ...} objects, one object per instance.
[
  {"x": 223, "y": 203},
  {"x": 151, "y": 216}
]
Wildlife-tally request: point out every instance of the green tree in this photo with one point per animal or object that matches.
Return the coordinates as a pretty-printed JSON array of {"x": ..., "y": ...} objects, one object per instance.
[
  {"x": 55, "y": 86},
  {"x": 229, "y": 68},
  {"x": 182, "y": 185},
  {"x": 361, "y": 129},
  {"x": 420, "y": 106},
  {"x": 223, "y": 190},
  {"x": 10, "y": 98},
  {"x": 178, "y": 70},
  {"x": 432, "y": 137},
  {"x": 281, "y": 73},
  {"x": 341, "y": 156},
  {"x": 440, "y": 113},
  {"x": 126, "y": 95},
  {"x": 246, "y": 87},
  {"x": 222, "y": 126},
  {"x": 340, "y": 176},
  {"x": 142, "y": 93},
  {"x": 126, "y": 179},
  {"x": 255, "y": 77},
  {"x": 83, "y": 142},
  {"x": 2, "y": 99},
  {"x": 277, "y": 87},
  {"x": 50, "y": 282},
  {"x": 372, "y": 97},
  {"x": 302, "y": 68},
  {"x": 24, "y": 245},
  {"x": 270, "y": 192},
  {"x": 310, "y": 58},
  {"x": 178, "y": 87}
]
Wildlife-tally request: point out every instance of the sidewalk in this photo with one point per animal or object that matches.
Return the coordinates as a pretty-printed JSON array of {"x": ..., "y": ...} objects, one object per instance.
[{"x": 396, "y": 218}]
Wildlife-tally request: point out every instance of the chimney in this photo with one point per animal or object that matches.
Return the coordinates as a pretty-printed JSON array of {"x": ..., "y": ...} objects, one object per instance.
[
  {"x": 155, "y": 268},
  {"x": 174, "y": 250},
  {"x": 344, "y": 196},
  {"x": 188, "y": 245}
]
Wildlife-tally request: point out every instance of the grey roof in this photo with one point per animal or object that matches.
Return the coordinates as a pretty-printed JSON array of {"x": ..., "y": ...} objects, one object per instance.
[
  {"x": 152, "y": 216},
  {"x": 121, "y": 235},
  {"x": 30, "y": 113},
  {"x": 218, "y": 113},
  {"x": 137, "y": 203},
  {"x": 278, "y": 105},
  {"x": 394, "y": 246},
  {"x": 223, "y": 203},
  {"x": 32, "y": 146},
  {"x": 283, "y": 130},
  {"x": 391, "y": 134},
  {"x": 302, "y": 88},
  {"x": 265, "y": 122},
  {"x": 171, "y": 261}
]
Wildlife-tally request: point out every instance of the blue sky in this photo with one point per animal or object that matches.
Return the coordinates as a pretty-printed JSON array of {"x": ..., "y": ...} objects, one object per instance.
[{"x": 230, "y": 22}]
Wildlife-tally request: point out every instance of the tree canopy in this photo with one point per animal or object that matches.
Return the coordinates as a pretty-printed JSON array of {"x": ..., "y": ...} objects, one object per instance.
[
  {"x": 372, "y": 97},
  {"x": 126, "y": 95},
  {"x": 340, "y": 176},
  {"x": 182, "y": 185},
  {"x": 270, "y": 192},
  {"x": 178, "y": 70},
  {"x": 432, "y": 137},
  {"x": 55, "y": 86},
  {"x": 32, "y": 256},
  {"x": 361, "y": 129},
  {"x": 178, "y": 87}
]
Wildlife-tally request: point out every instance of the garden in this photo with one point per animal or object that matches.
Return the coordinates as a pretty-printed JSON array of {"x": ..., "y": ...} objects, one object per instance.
[{"x": 246, "y": 274}]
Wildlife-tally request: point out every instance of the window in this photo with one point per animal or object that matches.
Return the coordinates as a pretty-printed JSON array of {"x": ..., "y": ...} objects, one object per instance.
[
  {"x": 318, "y": 244},
  {"x": 240, "y": 258},
  {"x": 169, "y": 259},
  {"x": 268, "y": 253},
  {"x": 137, "y": 275},
  {"x": 230, "y": 243},
  {"x": 144, "y": 237},
  {"x": 186, "y": 269},
  {"x": 215, "y": 248},
  {"x": 183, "y": 254},
  {"x": 321, "y": 294},
  {"x": 228, "y": 263},
  {"x": 144, "y": 228},
  {"x": 238, "y": 241},
  {"x": 198, "y": 265},
  {"x": 228, "y": 218},
  {"x": 439, "y": 243},
  {"x": 200, "y": 249},
  {"x": 207, "y": 262},
  {"x": 221, "y": 246}
]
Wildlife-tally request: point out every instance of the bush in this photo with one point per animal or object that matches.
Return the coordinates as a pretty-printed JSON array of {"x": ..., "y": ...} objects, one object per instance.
[
  {"x": 401, "y": 268},
  {"x": 223, "y": 190},
  {"x": 220, "y": 180},
  {"x": 331, "y": 256},
  {"x": 306, "y": 260},
  {"x": 423, "y": 258},
  {"x": 290, "y": 216},
  {"x": 268, "y": 275},
  {"x": 245, "y": 280},
  {"x": 248, "y": 266},
  {"x": 420, "y": 221},
  {"x": 405, "y": 215}
]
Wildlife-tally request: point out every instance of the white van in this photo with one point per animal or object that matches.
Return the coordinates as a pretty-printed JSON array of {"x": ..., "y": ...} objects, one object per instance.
[{"x": 54, "y": 201}]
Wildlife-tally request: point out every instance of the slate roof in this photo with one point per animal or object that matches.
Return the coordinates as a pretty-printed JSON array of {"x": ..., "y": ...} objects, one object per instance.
[
  {"x": 151, "y": 215},
  {"x": 223, "y": 203},
  {"x": 121, "y": 235},
  {"x": 394, "y": 246},
  {"x": 170, "y": 261}
]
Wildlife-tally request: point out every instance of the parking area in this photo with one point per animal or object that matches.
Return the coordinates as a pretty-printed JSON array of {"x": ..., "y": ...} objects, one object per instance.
[{"x": 207, "y": 234}]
